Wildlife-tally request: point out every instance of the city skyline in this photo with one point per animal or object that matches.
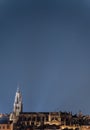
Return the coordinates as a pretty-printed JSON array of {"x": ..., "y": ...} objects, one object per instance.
[{"x": 45, "y": 47}]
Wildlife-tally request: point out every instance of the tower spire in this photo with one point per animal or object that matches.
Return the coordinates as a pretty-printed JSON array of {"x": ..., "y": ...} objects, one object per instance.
[
  {"x": 18, "y": 102},
  {"x": 18, "y": 87}
]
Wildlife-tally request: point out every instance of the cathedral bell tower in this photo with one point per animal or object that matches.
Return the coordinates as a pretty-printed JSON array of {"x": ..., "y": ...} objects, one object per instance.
[{"x": 18, "y": 106}]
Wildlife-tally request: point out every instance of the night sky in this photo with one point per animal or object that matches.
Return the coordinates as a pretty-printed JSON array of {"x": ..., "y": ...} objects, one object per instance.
[{"x": 45, "y": 48}]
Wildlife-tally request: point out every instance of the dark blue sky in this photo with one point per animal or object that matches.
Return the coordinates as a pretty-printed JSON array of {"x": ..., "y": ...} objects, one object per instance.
[{"x": 45, "y": 47}]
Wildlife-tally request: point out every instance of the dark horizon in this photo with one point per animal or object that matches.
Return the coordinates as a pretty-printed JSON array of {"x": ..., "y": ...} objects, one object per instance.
[{"x": 45, "y": 47}]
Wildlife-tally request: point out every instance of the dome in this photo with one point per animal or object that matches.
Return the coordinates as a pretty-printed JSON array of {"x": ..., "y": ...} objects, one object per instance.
[{"x": 4, "y": 120}]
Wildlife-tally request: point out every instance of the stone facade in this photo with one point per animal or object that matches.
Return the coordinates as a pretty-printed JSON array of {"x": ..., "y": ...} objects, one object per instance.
[{"x": 8, "y": 126}]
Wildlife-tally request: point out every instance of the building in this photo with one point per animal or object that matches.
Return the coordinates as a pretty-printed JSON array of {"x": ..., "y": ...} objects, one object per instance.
[
  {"x": 43, "y": 120},
  {"x": 20, "y": 118},
  {"x": 5, "y": 124}
]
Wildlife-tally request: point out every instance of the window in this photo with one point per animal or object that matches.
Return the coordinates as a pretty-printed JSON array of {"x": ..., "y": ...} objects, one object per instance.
[
  {"x": 33, "y": 118},
  {"x": 8, "y": 126},
  {"x": 46, "y": 117},
  {"x": 38, "y": 118},
  {"x": 3, "y": 127},
  {"x": 42, "y": 118}
]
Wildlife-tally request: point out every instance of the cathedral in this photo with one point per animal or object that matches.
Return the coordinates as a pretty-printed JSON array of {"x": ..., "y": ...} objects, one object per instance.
[
  {"x": 20, "y": 120},
  {"x": 32, "y": 118}
]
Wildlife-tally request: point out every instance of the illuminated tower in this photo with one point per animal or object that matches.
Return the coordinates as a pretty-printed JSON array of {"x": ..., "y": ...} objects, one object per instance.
[{"x": 18, "y": 106}]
